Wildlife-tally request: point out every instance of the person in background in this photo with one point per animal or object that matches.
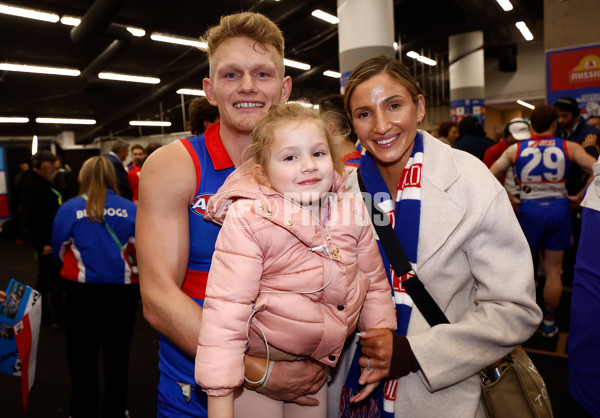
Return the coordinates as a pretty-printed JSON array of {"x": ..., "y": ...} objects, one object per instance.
[
  {"x": 516, "y": 130},
  {"x": 94, "y": 236},
  {"x": 292, "y": 164},
  {"x": 458, "y": 229},
  {"x": 246, "y": 77},
  {"x": 138, "y": 154},
  {"x": 472, "y": 137},
  {"x": 594, "y": 121},
  {"x": 117, "y": 155},
  {"x": 542, "y": 164},
  {"x": 572, "y": 126},
  {"x": 584, "y": 333},
  {"x": 201, "y": 115},
  {"x": 40, "y": 202},
  {"x": 448, "y": 132},
  {"x": 332, "y": 108}
]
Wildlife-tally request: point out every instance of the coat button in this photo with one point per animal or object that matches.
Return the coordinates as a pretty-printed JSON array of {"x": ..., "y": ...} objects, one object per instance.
[
  {"x": 269, "y": 213},
  {"x": 331, "y": 357},
  {"x": 340, "y": 307},
  {"x": 335, "y": 253},
  {"x": 289, "y": 222},
  {"x": 260, "y": 207}
]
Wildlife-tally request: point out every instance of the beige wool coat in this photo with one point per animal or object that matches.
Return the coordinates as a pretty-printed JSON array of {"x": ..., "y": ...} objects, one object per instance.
[{"x": 474, "y": 260}]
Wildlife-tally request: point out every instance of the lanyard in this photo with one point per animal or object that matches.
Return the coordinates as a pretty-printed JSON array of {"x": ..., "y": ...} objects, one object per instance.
[
  {"x": 58, "y": 195},
  {"x": 108, "y": 228}
]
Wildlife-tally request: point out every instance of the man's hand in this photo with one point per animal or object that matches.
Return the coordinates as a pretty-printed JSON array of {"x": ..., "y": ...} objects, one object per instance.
[{"x": 292, "y": 381}]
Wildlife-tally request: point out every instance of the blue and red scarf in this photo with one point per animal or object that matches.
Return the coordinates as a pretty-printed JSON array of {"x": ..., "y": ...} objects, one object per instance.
[{"x": 405, "y": 215}]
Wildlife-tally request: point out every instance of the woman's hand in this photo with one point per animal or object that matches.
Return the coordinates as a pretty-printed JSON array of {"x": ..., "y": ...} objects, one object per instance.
[
  {"x": 2, "y": 296},
  {"x": 377, "y": 348}
]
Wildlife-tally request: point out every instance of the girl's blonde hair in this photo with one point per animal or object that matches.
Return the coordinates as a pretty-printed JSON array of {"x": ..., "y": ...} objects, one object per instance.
[
  {"x": 281, "y": 114},
  {"x": 96, "y": 175}
]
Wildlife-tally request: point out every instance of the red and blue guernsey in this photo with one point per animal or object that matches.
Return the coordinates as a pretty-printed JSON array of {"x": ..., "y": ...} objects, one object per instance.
[
  {"x": 213, "y": 165},
  {"x": 542, "y": 167},
  {"x": 89, "y": 253}
]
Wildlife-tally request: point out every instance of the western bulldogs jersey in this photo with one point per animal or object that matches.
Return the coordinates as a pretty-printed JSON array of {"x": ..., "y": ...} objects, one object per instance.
[
  {"x": 542, "y": 166},
  {"x": 213, "y": 166}
]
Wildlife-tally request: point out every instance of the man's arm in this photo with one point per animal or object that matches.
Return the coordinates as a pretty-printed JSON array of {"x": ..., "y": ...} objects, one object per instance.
[
  {"x": 581, "y": 157},
  {"x": 506, "y": 160},
  {"x": 167, "y": 187}
]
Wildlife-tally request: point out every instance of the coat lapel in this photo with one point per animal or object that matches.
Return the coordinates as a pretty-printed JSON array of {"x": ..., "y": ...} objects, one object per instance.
[{"x": 440, "y": 214}]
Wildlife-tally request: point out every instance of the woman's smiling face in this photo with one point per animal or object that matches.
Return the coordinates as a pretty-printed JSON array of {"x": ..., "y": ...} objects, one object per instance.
[{"x": 385, "y": 118}]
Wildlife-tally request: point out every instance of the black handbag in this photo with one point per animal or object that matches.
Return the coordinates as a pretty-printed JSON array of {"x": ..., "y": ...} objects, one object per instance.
[{"x": 510, "y": 387}]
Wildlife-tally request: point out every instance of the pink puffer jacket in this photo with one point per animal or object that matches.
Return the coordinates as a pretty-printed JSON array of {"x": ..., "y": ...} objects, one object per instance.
[{"x": 269, "y": 258}]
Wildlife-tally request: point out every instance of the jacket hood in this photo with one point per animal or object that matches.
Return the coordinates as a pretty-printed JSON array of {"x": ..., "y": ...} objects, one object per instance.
[{"x": 241, "y": 184}]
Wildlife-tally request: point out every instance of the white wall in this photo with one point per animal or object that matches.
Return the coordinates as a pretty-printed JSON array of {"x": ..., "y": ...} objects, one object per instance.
[{"x": 527, "y": 83}]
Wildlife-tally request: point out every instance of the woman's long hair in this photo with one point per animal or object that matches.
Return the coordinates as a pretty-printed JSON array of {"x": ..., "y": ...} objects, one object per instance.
[{"x": 97, "y": 174}]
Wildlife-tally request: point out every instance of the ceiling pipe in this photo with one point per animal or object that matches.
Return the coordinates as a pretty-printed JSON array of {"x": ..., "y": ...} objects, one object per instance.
[
  {"x": 96, "y": 20},
  {"x": 104, "y": 59},
  {"x": 170, "y": 87}
]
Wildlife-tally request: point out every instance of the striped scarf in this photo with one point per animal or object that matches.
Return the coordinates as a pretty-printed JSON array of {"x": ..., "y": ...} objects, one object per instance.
[{"x": 404, "y": 215}]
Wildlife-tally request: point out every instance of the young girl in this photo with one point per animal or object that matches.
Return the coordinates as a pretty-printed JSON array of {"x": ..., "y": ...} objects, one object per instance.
[{"x": 295, "y": 268}]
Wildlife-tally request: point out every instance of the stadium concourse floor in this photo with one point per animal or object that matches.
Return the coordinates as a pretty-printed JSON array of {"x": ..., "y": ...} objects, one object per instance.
[{"x": 49, "y": 396}]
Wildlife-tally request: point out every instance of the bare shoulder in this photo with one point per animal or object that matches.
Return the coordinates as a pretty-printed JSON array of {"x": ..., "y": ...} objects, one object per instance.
[{"x": 169, "y": 172}]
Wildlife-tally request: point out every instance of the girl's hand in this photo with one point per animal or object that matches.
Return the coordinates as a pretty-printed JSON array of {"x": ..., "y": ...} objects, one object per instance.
[
  {"x": 363, "y": 394},
  {"x": 2, "y": 296}
]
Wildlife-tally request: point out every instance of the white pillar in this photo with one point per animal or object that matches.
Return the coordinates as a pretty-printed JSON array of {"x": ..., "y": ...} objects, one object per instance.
[
  {"x": 365, "y": 30},
  {"x": 467, "y": 74}
]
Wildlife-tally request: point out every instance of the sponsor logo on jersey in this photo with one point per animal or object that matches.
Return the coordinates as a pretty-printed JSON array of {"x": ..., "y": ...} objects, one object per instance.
[{"x": 199, "y": 205}]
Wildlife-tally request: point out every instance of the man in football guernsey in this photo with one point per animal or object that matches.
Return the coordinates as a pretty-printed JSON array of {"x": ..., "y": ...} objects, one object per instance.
[
  {"x": 175, "y": 243},
  {"x": 542, "y": 164}
]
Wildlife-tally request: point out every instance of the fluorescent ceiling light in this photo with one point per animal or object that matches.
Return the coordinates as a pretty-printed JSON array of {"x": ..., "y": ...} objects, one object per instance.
[
  {"x": 296, "y": 64},
  {"x": 39, "y": 70},
  {"x": 149, "y": 123},
  {"x": 70, "y": 21},
  {"x": 333, "y": 74},
  {"x": 522, "y": 103},
  {"x": 191, "y": 92},
  {"x": 136, "y": 31},
  {"x": 131, "y": 78},
  {"x": 28, "y": 13},
  {"x": 180, "y": 41},
  {"x": 13, "y": 119},
  {"x": 34, "y": 145},
  {"x": 421, "y": 58},
  {"x": 505, "y": 4},
  {"x": 66, "y": 121},
  {"x": 325, "y": 16},
  {"x": 524, "y": 30}
]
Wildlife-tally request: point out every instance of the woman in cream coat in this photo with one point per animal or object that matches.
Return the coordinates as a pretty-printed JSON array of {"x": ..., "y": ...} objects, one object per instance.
[{"x": 468, "y": 251}]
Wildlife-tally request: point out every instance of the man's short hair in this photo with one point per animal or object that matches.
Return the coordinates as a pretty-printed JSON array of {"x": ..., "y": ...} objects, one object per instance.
[
  {"x": 119, "y": 145},
  {"x": 41, "y": 156},
  {"x": 471, "y": 125},
  {"x": 201, "y": 110},
  {"x": 542, "y": 117},
  {"x": 245, "y": 25},
  {"x": 137, "y": 146},
  {"x": 567, "y": 104}
]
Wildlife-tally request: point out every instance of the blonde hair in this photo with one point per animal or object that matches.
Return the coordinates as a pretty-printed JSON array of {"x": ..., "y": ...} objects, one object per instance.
[
  {"x": 245, "y": 25},
  {"x": 281, "y": 114},
  {"x": 381, "y": 65},
  {"x": 96, "y": 175}
]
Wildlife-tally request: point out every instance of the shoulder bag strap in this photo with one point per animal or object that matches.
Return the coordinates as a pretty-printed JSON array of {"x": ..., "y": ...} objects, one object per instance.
[{"x": 414, "y": 287}]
